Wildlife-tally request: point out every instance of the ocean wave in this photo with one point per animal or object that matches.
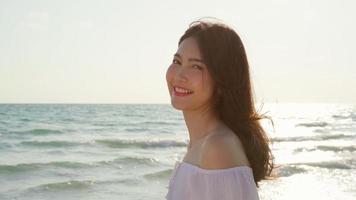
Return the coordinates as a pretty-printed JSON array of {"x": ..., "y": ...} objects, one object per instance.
[
  {"x": 321, "y": 130},
  {"x": 288, "y": 170},
  {"x": 328, "y": 148},
  {"x": 133, "y": 115},
  {"x": 105, "y": 124},
  {"x": 140, "y": 144},
  {"x": 26, "y": 167},
  {"x": 75, "y": 185},
  {"x": 313, "y": 124},
  {"x": 131, "y": 161},
  {"x": 136, "y": 130},
  {"x": 39, "y": 131},
  {"x": 44, "y": 131},
  {"x": 336, "y": 148},
  {"x": 127, "y": 181},
  {"x": 159, "y": 123},
  {"x": 163, "y": 174},
  {"x": 29, "y": 167},
  {"x": 36, "y": 143},
  {"x": 341, "y": 116},
  {"x": 11, "y": 169},
  {"x": 312, "y": 138},
  {"x": 329, "y": 164},
  {"x": 4, "y": 145},
  {"x": 61, "y": 186}
]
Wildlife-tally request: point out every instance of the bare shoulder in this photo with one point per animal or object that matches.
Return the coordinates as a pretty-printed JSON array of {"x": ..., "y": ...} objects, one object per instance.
[{"x": 223, "y": 150}]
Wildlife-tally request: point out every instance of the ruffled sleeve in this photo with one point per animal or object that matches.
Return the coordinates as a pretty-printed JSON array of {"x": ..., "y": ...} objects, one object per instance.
[{"x": 192, "y": 182}]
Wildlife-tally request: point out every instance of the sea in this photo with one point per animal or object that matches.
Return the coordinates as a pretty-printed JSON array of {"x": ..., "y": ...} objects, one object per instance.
[{"x": 128, "y": 151}]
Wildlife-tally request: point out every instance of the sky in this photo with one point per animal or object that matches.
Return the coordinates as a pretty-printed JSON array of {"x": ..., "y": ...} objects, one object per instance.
[{"x": 118, "y": 51}]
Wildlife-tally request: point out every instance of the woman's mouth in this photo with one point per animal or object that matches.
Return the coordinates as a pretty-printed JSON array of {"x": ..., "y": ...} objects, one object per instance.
[{"x": 178, "y": 91}]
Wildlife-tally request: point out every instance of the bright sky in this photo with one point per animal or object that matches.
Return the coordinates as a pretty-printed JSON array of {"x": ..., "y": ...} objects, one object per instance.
[{"x": 118, "y": 51}]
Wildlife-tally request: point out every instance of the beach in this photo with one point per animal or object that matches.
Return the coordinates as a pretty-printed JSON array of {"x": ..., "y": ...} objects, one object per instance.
[{"x": 128, "y": 151}]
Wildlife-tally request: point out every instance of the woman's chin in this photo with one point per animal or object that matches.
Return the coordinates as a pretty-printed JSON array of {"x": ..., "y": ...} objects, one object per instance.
[{"x": 179, "y": 105}]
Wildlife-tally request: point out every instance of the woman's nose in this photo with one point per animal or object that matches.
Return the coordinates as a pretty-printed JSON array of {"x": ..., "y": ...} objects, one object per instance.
[{"x": 181, "y": 74}]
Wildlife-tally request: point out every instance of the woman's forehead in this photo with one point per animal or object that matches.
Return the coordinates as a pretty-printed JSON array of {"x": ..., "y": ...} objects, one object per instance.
[{"x": 189, "y": 49}]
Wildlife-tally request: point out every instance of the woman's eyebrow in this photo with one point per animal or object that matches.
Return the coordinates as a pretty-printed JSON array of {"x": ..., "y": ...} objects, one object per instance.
[{"x": 190, "y": 59}]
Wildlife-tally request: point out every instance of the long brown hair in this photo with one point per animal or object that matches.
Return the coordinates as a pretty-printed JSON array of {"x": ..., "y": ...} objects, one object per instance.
[{"x": 225, "y": 57}]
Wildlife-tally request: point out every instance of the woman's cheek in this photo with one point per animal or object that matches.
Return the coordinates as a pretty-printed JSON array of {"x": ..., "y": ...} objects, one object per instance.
[
  {"x": 169, "y": 76},
  {"x": 196, "y": 78},
  {"x": 169, "y": 73}
]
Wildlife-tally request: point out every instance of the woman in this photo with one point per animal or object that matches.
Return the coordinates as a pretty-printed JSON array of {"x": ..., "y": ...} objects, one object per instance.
[{"x": 228, "y": 153}]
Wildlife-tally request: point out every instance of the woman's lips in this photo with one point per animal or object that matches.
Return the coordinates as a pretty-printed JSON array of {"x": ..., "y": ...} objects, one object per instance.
[{"x": 181, "y": 92}]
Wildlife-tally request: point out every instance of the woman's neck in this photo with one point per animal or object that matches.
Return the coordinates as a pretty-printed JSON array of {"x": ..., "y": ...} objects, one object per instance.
[{"x": 200, "y": 123}]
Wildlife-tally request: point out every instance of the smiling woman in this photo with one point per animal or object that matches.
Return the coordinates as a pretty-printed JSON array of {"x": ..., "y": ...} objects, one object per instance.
[
  {"x": 189, "y": 77},
  {"x": 228, "y": 152}
]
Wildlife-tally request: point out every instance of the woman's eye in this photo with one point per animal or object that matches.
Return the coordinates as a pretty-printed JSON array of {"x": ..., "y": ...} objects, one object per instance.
[
  {"x": 197, "y": 67},
  {"x": 175, "y": 61}
]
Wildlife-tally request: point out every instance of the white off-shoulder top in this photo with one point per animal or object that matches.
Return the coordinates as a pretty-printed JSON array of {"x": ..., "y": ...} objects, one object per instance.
[{"x": 190, "y": 182}]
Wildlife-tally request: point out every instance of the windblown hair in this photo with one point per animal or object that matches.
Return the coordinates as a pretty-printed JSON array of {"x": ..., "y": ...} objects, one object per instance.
[{"x": 224, "y": 55}]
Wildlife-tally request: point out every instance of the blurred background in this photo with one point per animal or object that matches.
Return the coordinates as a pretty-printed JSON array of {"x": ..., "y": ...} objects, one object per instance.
[{"x": 85, "y": 112}]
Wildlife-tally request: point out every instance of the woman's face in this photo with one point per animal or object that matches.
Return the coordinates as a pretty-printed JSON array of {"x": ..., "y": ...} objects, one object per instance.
[{"x": 189, "y": 82}]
